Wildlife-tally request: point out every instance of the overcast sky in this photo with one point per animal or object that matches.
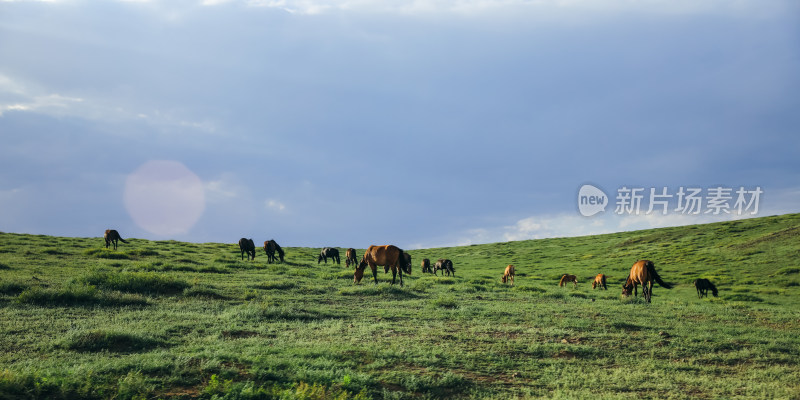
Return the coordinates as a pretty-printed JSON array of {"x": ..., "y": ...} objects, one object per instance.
[{"x": 417, "y": 123}]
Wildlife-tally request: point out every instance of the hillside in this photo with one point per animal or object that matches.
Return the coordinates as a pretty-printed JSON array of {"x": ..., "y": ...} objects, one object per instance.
[{"x": 165, "y": 319}]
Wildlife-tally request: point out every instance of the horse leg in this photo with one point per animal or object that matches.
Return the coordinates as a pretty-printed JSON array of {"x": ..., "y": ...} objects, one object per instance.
[
  {"x": 401, "y": 277},
  {"x": 394, "y": 274},
  {"x": 374, "y": 269}
]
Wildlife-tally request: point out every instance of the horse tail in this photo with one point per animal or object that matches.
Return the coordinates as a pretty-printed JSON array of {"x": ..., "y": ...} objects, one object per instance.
[
  {"x": 122, "y": 240},
  {"x": 563, "y": 279},
  {"x": 651, "y": 269},
  {"x": 713, "y": 288}
]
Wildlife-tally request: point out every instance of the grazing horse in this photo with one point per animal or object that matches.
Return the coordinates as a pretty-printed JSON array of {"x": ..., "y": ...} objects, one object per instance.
[
  {"x": 703, "y": 285},
  {"x": 389, "y": 256},
  {"x": 111, "y": 236},
  {"x": 509, "y": 275},
  {"x": 567, "y": 278},
  {"x": 599, "y": 280},
  {"x": 643, "y": 272},
  {"x": 426, "y": 265},
  {"x": 247, "y": 246},
  {"x": 271, "y": 247},
  {"x": 329, "y": 252},
  {"x": 350, "y": 257},
  {"x": 444, "y": 265}
]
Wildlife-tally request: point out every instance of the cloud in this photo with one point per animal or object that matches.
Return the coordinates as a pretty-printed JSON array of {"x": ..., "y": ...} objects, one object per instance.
[
  {"x": 478, "y": 7},
  {"x": 275, "y": 205}
]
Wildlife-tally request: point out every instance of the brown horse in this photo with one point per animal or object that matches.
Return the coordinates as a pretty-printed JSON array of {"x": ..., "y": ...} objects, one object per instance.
[
  {"x": 111, "y": 236},
  {"x": 271, "y": 247},
  {"x": 643, "y": 272},
  {"x": 247, "y": 246},
  {"x": 389, "y": 256},
  {"x": 703, "y": 286},
  {"x": 426, "y": 265},
  {"x": 350, "y": 257},
  {"x": 599, "y": 280},
  {"x": 508, "y": 275},
  {"x": 567, "y": 278}
]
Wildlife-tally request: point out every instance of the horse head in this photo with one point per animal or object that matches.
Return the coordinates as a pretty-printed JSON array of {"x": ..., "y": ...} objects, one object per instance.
[
  {"x": 627, "y": 289},
  {"x": 358, "y": 275}
]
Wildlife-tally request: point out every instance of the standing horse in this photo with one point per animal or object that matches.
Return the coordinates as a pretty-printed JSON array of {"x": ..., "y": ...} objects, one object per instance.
[
  {"x": 350, "y": 257},
  {"x": 444, "y": 265},
  {"x": 111, "y": 236},
  {"x": 643, "y": 272},
  {"x": 508, "y": 275},
  {"x": 271, "y": 247},
  {"x": 389, "y": 256},
  {"x": 703, "y": 285},
  {"x": 247, "y": 246},
  {"x": 599, "y": 280},
  {"x": 426, "y": 265},
  {"x": 567, "y": 278},
  {"x": 329, "y": 252}
]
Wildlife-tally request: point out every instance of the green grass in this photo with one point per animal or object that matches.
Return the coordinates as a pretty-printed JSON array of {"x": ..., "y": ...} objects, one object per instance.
[{"x": 165, "y": 319}]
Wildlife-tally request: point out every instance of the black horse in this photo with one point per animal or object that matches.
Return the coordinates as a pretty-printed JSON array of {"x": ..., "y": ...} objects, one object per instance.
[
  {"x": 446, "y": 266},
  {"x": 329, "y": 252},
  {"x": 247, "y": 246},
  {"x": 271, "y": 247},
  {"x": 703, "y": 286}
]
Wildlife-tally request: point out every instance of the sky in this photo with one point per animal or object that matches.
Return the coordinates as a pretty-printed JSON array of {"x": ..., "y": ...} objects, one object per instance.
[{"x": 415, "y": 123}]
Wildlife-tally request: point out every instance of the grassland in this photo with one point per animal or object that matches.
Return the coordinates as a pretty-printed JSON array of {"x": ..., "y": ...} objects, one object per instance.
[{"x": 164, "y": 319}]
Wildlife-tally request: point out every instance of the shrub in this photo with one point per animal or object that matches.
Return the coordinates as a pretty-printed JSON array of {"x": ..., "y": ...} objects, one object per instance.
[
  {"x": 67, "y": 296},
  {"x": 76, "y": 295},
  {"x": 136, "y": 282},
  {"x": 743, "y": 297},
  {"x": 12, "y": 288},
  {"x": 203, "y": 291},
  {"x": 106, "y": 254},
  {"x": 444, "y": 302},
  {"x": 117, "y": 342}
]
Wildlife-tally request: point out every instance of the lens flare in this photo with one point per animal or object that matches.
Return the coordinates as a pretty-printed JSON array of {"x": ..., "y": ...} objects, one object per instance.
[{"x": 164, "y": 197}]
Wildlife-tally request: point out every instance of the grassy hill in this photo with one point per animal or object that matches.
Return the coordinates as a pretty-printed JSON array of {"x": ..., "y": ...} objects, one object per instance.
[{"x": 164, "y": 319}]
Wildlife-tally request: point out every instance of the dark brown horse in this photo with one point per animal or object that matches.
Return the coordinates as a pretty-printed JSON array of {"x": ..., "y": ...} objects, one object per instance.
[
  {"x": 567, "y": 278},
  {"x": 508, "y": 275},
  {"x": 389, "y": 256},
  {"x": 703, "y": 286},
  {"x": 271, "y": 247},
  {"x": 249, "y": 247},
  {"x": 111, "y": 236},
  {"x": 643, "y": 272},
  {"x": 444, "y": 265},
  {"x": 599, "y": 280},
  {"x": 350, "y": 257},
  {"x": 329, "y": 252},
  {"x": 426, "y": 266}
]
